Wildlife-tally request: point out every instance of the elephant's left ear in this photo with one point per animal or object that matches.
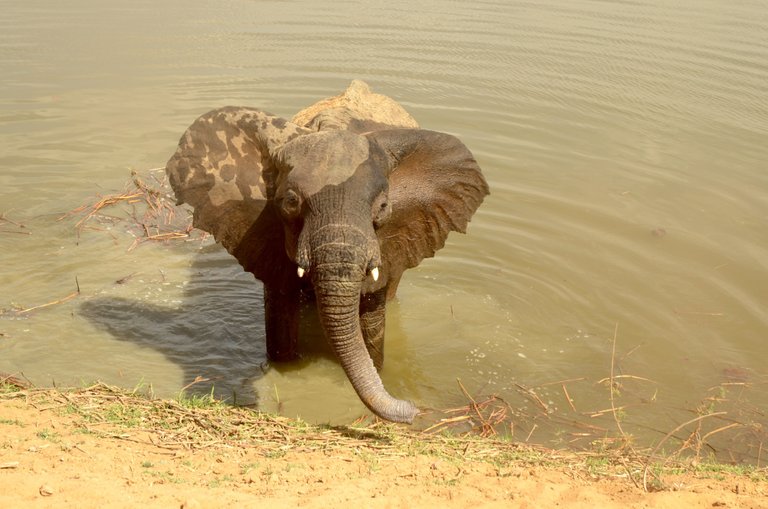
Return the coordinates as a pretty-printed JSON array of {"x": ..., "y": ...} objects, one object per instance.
[{"x": 435, "y": 185}]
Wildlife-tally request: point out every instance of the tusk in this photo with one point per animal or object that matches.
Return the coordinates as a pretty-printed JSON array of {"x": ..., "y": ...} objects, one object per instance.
[
  {"x": 375, "y": 273},
  {"x": 300, "y": 272}
]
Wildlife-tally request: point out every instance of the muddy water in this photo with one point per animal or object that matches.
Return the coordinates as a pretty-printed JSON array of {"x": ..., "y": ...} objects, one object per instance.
[{"x": 625, "y": 145}]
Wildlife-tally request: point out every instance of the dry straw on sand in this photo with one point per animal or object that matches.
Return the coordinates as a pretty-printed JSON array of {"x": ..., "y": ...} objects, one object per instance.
[{"x": 199, "y": 422}]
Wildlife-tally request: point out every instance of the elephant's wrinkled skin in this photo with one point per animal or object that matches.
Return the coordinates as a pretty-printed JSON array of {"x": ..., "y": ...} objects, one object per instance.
[{"x": 340, "y": 206}]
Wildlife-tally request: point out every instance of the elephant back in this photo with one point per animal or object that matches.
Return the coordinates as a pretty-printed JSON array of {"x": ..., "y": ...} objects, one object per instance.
[{"x": 357, "y": 109}]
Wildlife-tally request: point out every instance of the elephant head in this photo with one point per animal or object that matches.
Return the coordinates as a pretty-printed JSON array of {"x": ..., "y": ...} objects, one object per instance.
[{"x": 337, "y": 212}]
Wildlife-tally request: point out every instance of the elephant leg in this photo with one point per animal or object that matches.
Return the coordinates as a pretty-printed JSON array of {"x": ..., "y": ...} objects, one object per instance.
[
  {"x": 372, "y": 308},
  {"x": 281, "y": 314}
]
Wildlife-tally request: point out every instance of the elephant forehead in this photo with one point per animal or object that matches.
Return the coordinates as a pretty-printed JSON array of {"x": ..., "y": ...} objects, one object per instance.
[{"x": 325, "y": 158}]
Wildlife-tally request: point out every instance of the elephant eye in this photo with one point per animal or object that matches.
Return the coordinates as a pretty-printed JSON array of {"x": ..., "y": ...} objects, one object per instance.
[
  {"x": 381, "y": 211},
  {"x": 290, "y": 204}
]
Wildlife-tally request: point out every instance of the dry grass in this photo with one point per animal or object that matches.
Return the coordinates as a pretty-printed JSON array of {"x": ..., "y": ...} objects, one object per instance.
[
  {"x": 193, "y": 423},
  {"x": 724, "y": 427},
  {"x": 201, "y": 422}
]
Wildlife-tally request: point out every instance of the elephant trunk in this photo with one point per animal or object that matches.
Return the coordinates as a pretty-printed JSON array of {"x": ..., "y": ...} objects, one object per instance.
[{"x": 337, "y": 289}]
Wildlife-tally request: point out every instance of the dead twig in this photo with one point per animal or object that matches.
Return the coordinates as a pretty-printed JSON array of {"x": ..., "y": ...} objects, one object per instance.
[
  {"x": 625, "y": 377},
  {"x": 666, "y": 437},
  {"x": 6, "y": 379},
  {"x": 125, "y": 279},
  {"x": 487, "y": 428},
  {"x": 52, "y": 303},
  {"x": 4, "y": 219},
  {"x": 530, "y": 433},
  {"x": 482, "y": 417},
  {"x": 568, "y": 398},
  {"x": 198, "y": 379},
  {"x": 150, "y": 215},
  {"x": 612, "y": 388},
  {"x": 533, "y": 396}
]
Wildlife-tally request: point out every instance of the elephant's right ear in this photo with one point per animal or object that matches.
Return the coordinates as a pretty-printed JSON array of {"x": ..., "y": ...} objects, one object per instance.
[{"x": 224, "y": 169}]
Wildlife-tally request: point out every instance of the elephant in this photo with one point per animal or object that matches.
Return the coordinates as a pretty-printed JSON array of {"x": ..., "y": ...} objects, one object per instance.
[{"x": 333, "y": 205}]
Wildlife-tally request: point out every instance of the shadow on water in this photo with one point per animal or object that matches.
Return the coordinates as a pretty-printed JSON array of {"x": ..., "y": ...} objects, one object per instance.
[{"x": 214, "y": 332}]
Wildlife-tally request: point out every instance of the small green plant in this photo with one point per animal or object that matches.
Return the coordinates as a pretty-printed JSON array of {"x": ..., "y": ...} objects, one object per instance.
[
  {"x": 713, "y": 468},
  {"x": 147, "y": 464},
  {"x": 167, "y": 476},
  {"x": 654, "y": 483},
  {"x": 198, "y": 400},
  {"x": 597, "y": 465},
  {"x": 290, "y": 466},
  {"x": 123, "y": 415},
  {"x": 371, "y": 460},
  {"x": 216, "y": 483},
  {"x": 12, "y": 422},
  {"x": 6, "y": 388},
  {"x": 70, "y": 409},
  {"x": 49, "y": 435},
  {"x": 274, "y": 453},
  {"x": 244, "y": 469}
]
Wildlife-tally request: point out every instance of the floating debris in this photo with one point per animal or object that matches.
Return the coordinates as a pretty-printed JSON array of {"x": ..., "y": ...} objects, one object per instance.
[{"x": 149, "y": 211}]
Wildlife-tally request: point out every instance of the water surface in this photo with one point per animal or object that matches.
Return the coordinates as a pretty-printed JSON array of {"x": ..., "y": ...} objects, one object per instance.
[{"x": 624, "y": 144}]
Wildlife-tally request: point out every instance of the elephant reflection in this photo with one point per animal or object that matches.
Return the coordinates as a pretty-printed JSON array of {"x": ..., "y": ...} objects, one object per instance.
[{"x": 337, "y": 204}]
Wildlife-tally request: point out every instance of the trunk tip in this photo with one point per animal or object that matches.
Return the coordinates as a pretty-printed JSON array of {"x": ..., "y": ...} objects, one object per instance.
[{"x": 402, "y": 412}]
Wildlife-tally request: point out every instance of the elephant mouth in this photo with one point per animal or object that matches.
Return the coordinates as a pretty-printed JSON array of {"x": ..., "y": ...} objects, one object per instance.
[{"x": 341, "y": 245}]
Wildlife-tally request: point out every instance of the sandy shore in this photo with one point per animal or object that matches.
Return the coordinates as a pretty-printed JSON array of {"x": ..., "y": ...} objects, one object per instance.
[{"x": 106, "y": 449}]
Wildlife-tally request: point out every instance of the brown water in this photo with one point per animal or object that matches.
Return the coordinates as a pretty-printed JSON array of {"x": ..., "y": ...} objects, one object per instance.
[{"x": 625, "y": 144}]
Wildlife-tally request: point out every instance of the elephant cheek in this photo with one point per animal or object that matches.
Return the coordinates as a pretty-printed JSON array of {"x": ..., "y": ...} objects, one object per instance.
[{"x": 293, "y": 246}]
